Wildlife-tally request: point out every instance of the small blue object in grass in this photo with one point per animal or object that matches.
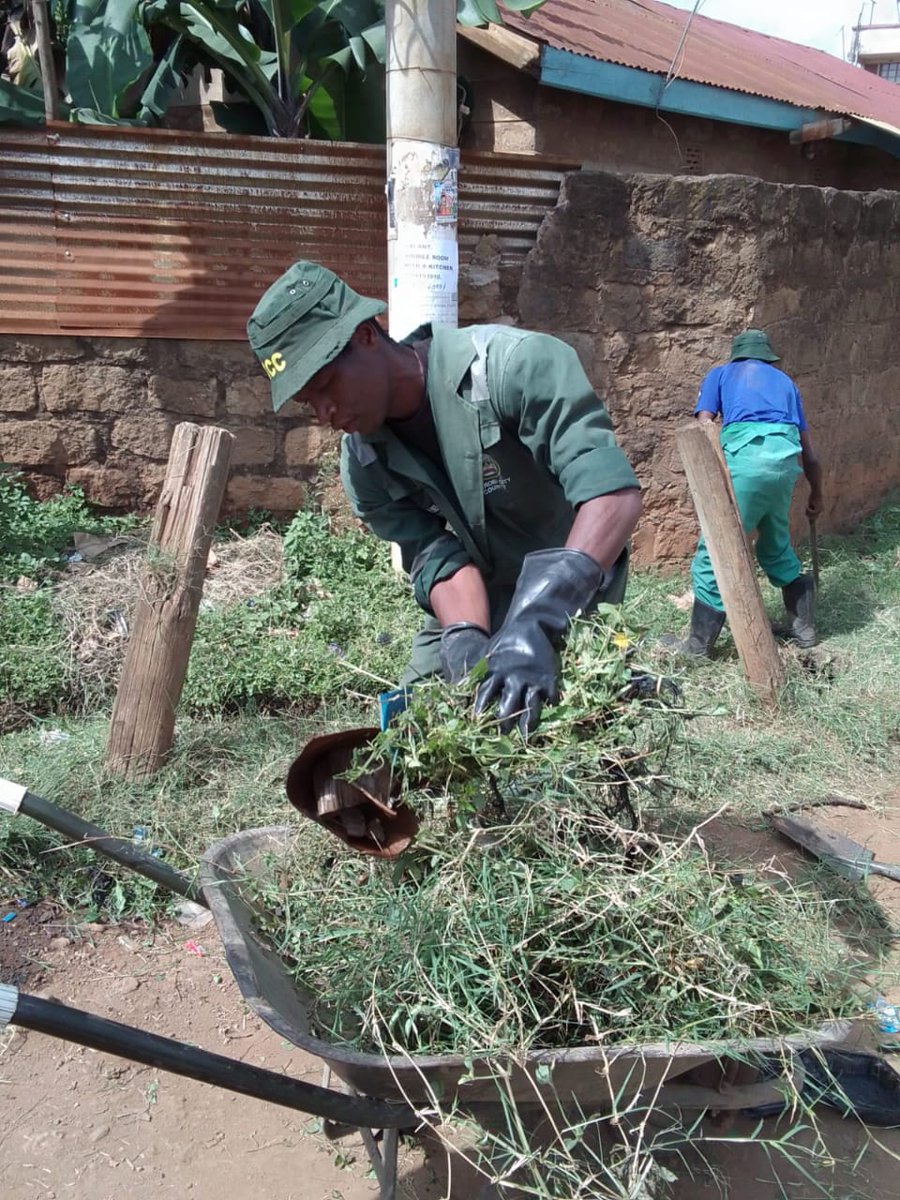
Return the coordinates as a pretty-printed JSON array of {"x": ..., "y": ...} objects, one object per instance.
[
  {"x": 887, "y": 1016},
  {"x": 141, "y": 833},
  {"x": 391, "y": 704},
  {"x": 9, "y": 917}
]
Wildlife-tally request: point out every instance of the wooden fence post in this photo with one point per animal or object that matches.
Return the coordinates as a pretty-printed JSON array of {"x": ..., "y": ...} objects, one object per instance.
[
  {"x": 732, "y": 560},
  {"x": 143, "y": 718},
  {"x": 45, "y": 59}
]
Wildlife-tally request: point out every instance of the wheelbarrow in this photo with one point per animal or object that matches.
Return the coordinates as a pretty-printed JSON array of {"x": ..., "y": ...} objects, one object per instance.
[{"x": 383, "y": 1094}]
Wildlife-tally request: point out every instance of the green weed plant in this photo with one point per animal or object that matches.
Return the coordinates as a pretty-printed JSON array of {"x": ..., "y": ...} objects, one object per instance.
[
  {"x": 34, "y": 533},
  {"x": 541, "y": 906}
]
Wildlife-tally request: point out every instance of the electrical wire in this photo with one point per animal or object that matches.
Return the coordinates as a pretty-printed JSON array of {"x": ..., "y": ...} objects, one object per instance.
[{"x": 674, "y": 65}]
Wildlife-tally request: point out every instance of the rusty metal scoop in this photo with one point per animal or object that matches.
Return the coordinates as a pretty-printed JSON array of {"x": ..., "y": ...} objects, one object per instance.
[
  {"x": 842, "y": 854},
  {"x": 362, "y": 811}
]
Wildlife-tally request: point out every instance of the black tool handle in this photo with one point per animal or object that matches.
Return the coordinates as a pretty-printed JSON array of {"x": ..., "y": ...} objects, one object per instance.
[
  {"x": 85, "y": 1029},
  {"x": 15, "y": 799}
]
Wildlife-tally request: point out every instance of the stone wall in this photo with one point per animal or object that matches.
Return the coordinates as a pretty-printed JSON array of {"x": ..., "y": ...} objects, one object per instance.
[
  {"x": 650, "y": 276},
  {"x": 647, "y": 276},
  {"x": 99, "y": 413}
]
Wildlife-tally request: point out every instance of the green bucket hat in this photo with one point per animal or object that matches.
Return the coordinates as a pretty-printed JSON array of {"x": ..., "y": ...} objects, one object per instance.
[
  {"x": 303, "y": 321},
  {"x": 753, "y": 343}
]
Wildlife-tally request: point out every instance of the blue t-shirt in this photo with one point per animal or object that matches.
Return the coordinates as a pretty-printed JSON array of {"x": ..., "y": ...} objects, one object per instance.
[{"x": 751, "y": 390}]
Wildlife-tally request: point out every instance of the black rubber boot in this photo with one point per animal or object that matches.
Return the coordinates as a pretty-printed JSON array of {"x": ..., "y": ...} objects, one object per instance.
[
  {"x": 800, "y": 606},
  {"x": 706, "y": 625}
]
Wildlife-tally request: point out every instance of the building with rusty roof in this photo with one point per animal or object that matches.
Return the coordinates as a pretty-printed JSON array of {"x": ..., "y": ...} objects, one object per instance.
[{"x": 637, "y": 85}]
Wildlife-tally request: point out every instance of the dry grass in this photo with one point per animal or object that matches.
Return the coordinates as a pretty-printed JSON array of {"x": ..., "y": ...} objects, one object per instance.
[{"x": 95, "y": 601}]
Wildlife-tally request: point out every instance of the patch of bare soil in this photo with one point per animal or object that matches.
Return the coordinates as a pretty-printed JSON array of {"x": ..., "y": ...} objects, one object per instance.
[{"x": 78, "y": 1124}]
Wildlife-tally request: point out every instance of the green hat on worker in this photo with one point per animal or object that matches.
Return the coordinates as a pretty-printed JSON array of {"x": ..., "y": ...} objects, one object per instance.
[
  {"x": 302, "y": 322},
  {"x": 753, "y": 343}
]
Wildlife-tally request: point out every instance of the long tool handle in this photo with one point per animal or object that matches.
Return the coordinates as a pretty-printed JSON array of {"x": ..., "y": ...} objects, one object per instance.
[
  {"x": 85, "y": 1029},
  {"x": 16, "y": 799},
  {"x": 814, "y": 549},
  {"x": 888, "y": 870}
]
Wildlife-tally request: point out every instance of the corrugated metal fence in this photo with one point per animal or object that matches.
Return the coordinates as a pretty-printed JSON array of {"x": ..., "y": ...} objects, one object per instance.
[{"x": 156, "y": 233}]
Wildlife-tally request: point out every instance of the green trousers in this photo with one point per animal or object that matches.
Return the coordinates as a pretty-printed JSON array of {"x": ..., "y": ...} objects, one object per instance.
[
  {"x": 763, "y": 461},
  {"x": 426, "y": 648}
]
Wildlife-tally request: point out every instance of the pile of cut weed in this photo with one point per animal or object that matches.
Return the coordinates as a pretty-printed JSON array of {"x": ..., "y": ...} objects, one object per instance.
[
  {"x": 531, "y": 940},
  {"x": 539, "y": 908}
]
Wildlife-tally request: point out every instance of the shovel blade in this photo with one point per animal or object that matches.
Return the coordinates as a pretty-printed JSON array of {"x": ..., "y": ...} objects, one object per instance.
[{"x": 841, "y": 853}]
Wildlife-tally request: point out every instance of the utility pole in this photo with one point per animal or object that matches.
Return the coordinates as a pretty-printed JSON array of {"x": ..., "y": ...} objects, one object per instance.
[{"x": 422, "y": 164}]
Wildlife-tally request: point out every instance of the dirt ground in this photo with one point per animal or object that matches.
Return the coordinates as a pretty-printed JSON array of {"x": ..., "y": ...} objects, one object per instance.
[{"x": 82, "y": 1125}]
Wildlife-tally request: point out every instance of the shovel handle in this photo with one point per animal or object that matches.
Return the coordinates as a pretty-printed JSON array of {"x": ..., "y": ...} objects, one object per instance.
[
  {"x": 888, "y": 870},
  {"x": 814, "y": 549}
]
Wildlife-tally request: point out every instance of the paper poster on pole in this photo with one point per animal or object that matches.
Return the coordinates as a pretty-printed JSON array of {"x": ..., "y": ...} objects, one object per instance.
[{"x": 427, "y": 265}]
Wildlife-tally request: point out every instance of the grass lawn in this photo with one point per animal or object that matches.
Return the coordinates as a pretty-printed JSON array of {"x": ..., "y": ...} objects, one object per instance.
[
  {"x": 297, "y": 635},
  {"x": 300, "y": 629}
]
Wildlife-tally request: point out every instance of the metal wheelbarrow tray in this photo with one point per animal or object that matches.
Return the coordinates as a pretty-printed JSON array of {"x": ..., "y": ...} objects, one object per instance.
[
  {"x": 595, "y": 1078},
  {"x": 388, "y": 1093}
]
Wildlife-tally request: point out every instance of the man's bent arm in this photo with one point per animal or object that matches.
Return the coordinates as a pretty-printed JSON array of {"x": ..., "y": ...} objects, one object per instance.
[
  {"x": 603, "y": 525},
  {"x": 812, "y": 469},
  {"x": 462, "y": 597}
]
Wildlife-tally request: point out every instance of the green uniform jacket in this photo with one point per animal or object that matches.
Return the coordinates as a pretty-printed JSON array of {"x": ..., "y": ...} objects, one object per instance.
[{"x": 524, "y": 439}]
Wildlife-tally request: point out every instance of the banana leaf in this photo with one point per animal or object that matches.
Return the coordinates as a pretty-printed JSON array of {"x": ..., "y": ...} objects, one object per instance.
[
  {"x": 20, "y": 105},
  {"x": 107, "y": 53}
]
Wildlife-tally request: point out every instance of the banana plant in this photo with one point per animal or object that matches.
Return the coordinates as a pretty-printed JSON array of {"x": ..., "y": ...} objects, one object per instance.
[
  {"x": 111, "y": 76},
  {"x": 307, "y": 67},
  {"x": 20, "y": 82},
  {"x": 292, "y": 59}
]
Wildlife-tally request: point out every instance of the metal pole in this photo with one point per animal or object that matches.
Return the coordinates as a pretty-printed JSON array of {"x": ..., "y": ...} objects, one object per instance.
[
  {"x": 45, "y": 58},
  {"x": 178, "y": 1058},
  {"x": 422, "y": 163},
  {"x": 83, "y": 833}
]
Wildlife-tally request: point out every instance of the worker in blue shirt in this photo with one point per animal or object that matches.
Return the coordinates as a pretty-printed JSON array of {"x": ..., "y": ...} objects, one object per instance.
[{"x": 766, "y": 444}]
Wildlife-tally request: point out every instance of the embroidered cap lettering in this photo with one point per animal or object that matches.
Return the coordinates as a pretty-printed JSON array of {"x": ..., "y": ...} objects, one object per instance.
[{"x": 273, "y": 365}]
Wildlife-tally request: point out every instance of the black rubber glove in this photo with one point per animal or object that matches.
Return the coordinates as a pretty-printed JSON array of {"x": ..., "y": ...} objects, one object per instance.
[
  {"x": 462, "y": 646},
  {"x": 523, "y": 664}
]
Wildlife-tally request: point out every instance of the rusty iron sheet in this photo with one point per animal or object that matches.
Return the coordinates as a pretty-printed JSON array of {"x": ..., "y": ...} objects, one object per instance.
[
  {"x": 159, "y": 233},
  {"x": 648, "y": 35}
]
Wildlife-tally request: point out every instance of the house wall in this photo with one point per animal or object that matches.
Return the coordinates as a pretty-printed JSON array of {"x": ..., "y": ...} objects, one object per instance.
[
  {"x": 648, "y": 277},
  {"x": 512, "y": 113}
]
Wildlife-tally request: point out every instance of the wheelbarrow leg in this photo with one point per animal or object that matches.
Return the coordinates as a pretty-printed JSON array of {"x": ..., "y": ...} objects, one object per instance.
[{"x": 383, "y": 1160}]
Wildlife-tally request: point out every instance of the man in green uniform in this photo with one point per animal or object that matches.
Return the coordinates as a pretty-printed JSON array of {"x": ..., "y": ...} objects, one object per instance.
[
  {"x": 485, "y": 455},
  {"x": 767, "y": 444}
]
